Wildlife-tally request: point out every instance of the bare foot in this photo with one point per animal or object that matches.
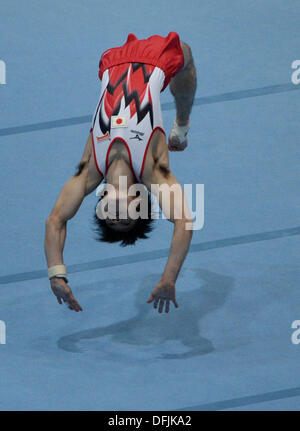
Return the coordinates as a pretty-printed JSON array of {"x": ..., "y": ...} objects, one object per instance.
[
  {"x": 174, "y": 144},
  {"x": 177, "y": 140}
]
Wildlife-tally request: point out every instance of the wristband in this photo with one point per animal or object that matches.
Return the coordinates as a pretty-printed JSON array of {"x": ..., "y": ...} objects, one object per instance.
[
  {"x": 61, "y": 276},
  {"x": 57, "y": 271}
]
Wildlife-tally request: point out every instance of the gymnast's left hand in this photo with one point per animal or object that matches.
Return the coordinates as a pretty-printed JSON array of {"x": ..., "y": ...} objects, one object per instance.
[
  {"x": 162, "y": 294},
  {"x": 64, "y": 293}
]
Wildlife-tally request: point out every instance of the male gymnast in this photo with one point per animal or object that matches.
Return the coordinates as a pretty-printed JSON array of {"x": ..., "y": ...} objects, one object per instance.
[{"x": 127, "y": 139}]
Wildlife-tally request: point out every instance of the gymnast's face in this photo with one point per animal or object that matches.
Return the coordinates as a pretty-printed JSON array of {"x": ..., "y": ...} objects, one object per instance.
[
  {"x": 116, "y": 208},
  {"x": 121, "y": 225}
]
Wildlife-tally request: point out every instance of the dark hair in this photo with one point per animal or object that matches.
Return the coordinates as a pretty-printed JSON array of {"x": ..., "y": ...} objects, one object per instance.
[{"x": 139, "y": 230}]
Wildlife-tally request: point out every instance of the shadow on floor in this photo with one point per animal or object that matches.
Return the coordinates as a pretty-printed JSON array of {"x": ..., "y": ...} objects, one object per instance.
[{"x": 147, "y": 328}]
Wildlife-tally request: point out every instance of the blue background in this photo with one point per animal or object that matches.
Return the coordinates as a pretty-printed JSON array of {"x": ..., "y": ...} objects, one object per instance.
[{"x": 228, "y": 346}]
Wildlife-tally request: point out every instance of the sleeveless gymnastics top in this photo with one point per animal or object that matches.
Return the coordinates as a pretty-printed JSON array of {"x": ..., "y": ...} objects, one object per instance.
[{"x": 133, "y": 76}]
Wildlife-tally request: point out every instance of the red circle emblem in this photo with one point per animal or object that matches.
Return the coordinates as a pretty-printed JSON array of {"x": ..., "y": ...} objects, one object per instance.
[{"x": 119, "y": 121}]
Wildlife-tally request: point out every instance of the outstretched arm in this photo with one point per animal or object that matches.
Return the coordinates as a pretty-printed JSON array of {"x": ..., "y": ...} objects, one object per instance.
[
  {"x": 66, "y": 206},
  {"x": 174, "y": 206}
]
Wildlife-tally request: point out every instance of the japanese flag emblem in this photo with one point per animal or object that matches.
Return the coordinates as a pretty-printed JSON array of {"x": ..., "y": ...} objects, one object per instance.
[{"x": 118, "y": 121}]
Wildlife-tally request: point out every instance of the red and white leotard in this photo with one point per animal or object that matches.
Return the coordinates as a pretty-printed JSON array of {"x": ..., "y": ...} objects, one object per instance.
[{"x": 133, "y": 76}]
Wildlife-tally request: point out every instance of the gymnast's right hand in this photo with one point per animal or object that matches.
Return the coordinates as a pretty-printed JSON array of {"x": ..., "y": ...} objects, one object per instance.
[{"x": 64, "y": 293}]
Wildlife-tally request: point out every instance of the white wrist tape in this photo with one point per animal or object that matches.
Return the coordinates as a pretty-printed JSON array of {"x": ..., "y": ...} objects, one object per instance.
[
  {"x": 57, "y": 271},
  {"x": 180, "y": 131}
]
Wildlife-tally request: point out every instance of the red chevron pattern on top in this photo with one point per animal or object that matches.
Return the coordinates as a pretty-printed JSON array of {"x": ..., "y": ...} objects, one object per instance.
[
  {"x": 138, "y": 79},
  {"x": 114, "y": 92},
  {"x": 130, "y": 81}
]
